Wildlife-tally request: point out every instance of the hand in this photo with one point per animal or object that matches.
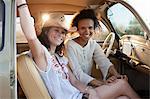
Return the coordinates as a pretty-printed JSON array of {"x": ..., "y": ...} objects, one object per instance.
[
  {"x": 122, "y": 77},
  {"x": 113, "y": 78},
  {"x": 93, "y": 94},
  {"x": 96, "y": 83}
]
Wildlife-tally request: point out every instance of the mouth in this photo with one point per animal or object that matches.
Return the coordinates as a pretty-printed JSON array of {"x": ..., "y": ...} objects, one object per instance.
[
  {"x": 88, "y": 34},
  {"x": 59, "y": 39}
]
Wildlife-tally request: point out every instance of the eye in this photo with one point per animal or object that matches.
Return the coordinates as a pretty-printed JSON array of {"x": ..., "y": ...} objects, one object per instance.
[
  {"x": 56, "y": 30},
  {"x": 91, "y": 28},
  {"x": 82, "y": 28},
  {"x": 64, "y": 32}
]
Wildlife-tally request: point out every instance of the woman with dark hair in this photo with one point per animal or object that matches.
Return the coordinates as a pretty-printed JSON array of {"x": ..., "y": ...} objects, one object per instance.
[
  {"x": 83, "y": 51},
  {"x": 59, "y": 80}
]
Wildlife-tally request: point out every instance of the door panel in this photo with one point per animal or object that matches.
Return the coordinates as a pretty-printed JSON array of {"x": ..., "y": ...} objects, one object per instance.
[{"x": 7, "y": 50}]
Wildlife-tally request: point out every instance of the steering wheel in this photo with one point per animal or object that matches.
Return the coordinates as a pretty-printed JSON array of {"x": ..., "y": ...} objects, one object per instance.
[{"x": 111, "y": 39}]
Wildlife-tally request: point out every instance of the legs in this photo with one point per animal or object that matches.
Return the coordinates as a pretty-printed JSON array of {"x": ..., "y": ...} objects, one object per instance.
[{"x": 119, "y": 89}]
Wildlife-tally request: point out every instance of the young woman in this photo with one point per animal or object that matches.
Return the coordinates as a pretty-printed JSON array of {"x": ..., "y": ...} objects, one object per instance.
[
  {"x": 83, "y": 51},
  {"x": 52, "y": 67}
]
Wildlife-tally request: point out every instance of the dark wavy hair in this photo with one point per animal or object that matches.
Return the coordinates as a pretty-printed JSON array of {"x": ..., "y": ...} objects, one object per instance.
[
  {"x": 85, "y": 14},
  {"x": 43, "y": 38}
]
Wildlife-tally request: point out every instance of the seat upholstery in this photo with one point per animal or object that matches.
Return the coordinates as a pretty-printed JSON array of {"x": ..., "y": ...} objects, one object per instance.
[{"x": 29, "y": 78}]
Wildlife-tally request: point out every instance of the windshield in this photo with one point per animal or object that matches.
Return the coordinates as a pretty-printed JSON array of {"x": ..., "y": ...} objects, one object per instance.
[
  {"x": 142, "y": 7},
  {"x": 123, "y": 21}
]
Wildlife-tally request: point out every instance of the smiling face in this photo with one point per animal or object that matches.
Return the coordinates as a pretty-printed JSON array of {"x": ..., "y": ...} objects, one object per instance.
[
  {"x": 56, "y": 35},
  {"x": 86, "y": 28}
]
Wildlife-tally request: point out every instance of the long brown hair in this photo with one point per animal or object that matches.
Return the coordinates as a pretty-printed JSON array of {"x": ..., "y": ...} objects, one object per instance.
[{"x": 43, "y": 38}]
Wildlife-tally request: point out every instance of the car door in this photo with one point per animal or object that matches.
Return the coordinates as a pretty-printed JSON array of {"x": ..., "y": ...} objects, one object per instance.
[
  {"x": 134, "y": 37},
  {"x": 132, "y": 33},
  {"x": 7, "y": 50}
]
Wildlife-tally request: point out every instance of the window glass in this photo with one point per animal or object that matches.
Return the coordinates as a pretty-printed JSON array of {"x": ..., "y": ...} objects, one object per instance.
[
  {"x": 100, "y": 33},
  {"x": 123, "y": 21},
  {"x": 1, "y": 24},
  {"x": 142, "y": 7}
]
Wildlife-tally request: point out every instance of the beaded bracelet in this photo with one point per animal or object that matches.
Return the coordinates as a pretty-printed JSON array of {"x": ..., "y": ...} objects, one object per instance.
[
  {"x": 21, "y": 5},
  {"x": 86, "y": 89}
]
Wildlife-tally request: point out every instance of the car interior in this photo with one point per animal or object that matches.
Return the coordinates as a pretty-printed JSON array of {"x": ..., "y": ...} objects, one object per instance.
[{"x": 128, "y": 52}]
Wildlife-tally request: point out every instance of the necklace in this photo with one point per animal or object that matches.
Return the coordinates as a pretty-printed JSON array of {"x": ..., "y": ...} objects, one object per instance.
[{"x": 63, "y": 68}]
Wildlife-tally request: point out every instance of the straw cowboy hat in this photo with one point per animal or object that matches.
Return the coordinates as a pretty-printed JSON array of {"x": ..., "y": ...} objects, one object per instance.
[
  {"x": 58, "y": 20},
  {"x": 55, "y": 19}
]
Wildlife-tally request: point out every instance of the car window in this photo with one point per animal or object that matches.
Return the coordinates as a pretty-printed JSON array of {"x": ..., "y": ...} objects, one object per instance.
[
  {"x": 142, "y": 10},
  {"x": 100, "y": 33},
  {"x": 123, "y": 21},
  {"x": 1, "y": 23}
]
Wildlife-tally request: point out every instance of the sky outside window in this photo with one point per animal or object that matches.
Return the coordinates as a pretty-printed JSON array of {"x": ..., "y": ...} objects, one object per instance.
[{"x": 142, "y": 7}]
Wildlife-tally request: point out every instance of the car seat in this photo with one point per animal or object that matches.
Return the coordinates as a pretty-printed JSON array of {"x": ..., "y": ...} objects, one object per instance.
[{"x": 29, "y": 78}]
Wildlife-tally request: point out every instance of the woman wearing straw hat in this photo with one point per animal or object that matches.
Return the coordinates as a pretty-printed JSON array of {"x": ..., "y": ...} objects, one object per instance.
[{"x": 59, "y": 80}]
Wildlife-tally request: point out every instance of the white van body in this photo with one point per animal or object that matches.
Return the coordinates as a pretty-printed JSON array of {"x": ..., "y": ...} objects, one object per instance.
[{"x": 8, "y": 84}]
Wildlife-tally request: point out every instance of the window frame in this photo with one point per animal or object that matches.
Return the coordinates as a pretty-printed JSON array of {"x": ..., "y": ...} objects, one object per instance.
[
  {"x": 134, "y": 19},
  {"x": 3, "y": 26}
]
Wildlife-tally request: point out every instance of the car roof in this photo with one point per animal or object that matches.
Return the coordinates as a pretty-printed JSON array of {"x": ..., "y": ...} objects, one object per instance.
[{"x": 37, "y": 6}]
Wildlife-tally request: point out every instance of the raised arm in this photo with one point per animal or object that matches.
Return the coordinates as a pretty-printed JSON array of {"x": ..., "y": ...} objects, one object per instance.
[{"x": 29, "y": 31}]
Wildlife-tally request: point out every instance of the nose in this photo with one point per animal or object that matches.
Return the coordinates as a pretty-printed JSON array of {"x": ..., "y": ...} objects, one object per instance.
[
  {"x": 61, "y": 34},
  {"x": 87, "y": 30}
]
